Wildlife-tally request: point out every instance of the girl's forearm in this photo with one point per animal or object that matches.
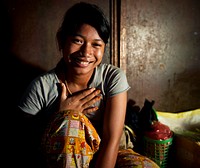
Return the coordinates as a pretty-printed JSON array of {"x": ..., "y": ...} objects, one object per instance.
[{"x": 107, "y": 155}]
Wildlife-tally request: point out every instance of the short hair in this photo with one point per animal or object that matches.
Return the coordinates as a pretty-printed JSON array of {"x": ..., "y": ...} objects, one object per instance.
[{"x": 83, "y": 13}]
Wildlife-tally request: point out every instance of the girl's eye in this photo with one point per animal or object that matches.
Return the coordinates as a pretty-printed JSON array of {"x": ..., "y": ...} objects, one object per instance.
[
  {"x": 97, "y": 45},
  {"x": 77, "y": 41}
]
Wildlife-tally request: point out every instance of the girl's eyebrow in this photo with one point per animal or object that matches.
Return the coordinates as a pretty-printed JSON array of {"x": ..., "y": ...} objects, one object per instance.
[{"x": 76, "y": 34}]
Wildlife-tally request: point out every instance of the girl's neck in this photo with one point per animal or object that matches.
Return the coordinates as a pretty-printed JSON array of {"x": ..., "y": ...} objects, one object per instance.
[
  {"x": 81, "y": 80},
  {"x": 76, "y": 83}
]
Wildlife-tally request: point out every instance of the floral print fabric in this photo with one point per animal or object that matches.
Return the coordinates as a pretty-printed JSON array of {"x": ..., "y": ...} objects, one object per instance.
[
  {"x": 70, "y": 141},
  {"x": 127, "y": 158}
]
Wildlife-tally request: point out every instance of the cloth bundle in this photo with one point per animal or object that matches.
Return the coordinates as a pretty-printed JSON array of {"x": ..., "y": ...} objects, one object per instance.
[
  {"x": 127, "y": 158},
  {"x": 70, "y": 140}
]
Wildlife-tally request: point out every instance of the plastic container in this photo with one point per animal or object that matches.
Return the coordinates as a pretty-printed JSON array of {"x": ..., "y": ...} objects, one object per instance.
[{"x": 158, "y": 150}]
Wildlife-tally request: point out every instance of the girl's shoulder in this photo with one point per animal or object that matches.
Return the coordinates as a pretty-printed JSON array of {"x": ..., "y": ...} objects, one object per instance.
[
  {"x": 47, "y": 77},
  {"x": 105, "y": 68}
]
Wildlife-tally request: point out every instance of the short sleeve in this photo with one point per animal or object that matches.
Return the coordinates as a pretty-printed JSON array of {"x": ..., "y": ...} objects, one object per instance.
[{"x": 116, "y": 81}]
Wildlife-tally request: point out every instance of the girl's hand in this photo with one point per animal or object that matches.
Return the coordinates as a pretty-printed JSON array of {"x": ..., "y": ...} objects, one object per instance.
[{"x": 82, "y": 101}]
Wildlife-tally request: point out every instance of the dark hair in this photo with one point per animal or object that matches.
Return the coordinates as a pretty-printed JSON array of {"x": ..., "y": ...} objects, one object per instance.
[{"x": 79, "y": 14}]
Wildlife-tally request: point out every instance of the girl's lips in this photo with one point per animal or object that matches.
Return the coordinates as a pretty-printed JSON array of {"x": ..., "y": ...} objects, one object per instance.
[{"x": 82, "y": 63}]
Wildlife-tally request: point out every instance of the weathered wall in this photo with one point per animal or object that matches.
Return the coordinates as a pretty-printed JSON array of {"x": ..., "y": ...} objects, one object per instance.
[{"x": 160, "y": 51}]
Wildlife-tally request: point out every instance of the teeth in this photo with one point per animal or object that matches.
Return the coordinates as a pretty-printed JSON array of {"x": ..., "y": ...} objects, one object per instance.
[{"x": 84, "y": 63}]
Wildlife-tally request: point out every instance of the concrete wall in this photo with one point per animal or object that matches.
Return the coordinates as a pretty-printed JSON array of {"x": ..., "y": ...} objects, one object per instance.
[{"x": 160, "y": 52}]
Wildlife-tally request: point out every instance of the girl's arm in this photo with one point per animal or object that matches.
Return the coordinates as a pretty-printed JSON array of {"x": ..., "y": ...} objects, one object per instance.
[{"x": 112, "y": 130}]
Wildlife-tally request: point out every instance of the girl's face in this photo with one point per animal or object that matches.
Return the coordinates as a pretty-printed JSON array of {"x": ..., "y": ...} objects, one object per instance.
[{"x": 84, "y": 50}]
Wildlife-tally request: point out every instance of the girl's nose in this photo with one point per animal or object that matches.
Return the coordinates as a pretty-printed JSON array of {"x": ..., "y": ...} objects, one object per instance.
[{"x": 86, "y": 50}]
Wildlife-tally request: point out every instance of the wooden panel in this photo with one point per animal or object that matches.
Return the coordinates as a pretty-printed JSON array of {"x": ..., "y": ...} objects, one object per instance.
[
  {"x": 159, "y": 50},
  {"x": 115, "y": 29}
]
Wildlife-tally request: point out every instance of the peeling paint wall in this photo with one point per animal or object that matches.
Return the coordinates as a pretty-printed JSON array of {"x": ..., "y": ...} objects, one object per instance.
[{"x": 160, "y": 52}]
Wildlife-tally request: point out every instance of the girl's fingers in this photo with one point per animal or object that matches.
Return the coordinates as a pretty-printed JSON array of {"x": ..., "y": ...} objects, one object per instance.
[
  {"x": 63, "y": 91},
  {"x": 90, "y": 102},
  {"x": 81, "y": 101},
  {"x": 90, "y": 96},
  {"x": 90, "y": 110},
  {"x": 85, "y": 93}
]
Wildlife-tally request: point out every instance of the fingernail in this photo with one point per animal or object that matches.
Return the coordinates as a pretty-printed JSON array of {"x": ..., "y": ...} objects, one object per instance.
[
  {"x": 100, "y": 97},
  {"x": 98, "y": 91},
  {"x": 92, "y": 89}
]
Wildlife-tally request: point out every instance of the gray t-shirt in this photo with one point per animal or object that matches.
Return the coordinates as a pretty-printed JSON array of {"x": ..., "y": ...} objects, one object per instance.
[{"x": 42, "y": 93}]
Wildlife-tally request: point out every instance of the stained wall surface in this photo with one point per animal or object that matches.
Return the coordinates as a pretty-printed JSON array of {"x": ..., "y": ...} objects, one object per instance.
[{"x": 160, "y": 52}]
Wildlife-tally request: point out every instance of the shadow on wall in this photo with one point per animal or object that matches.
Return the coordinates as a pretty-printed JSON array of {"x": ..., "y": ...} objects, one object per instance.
[{"x": 16, "y": 76}]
